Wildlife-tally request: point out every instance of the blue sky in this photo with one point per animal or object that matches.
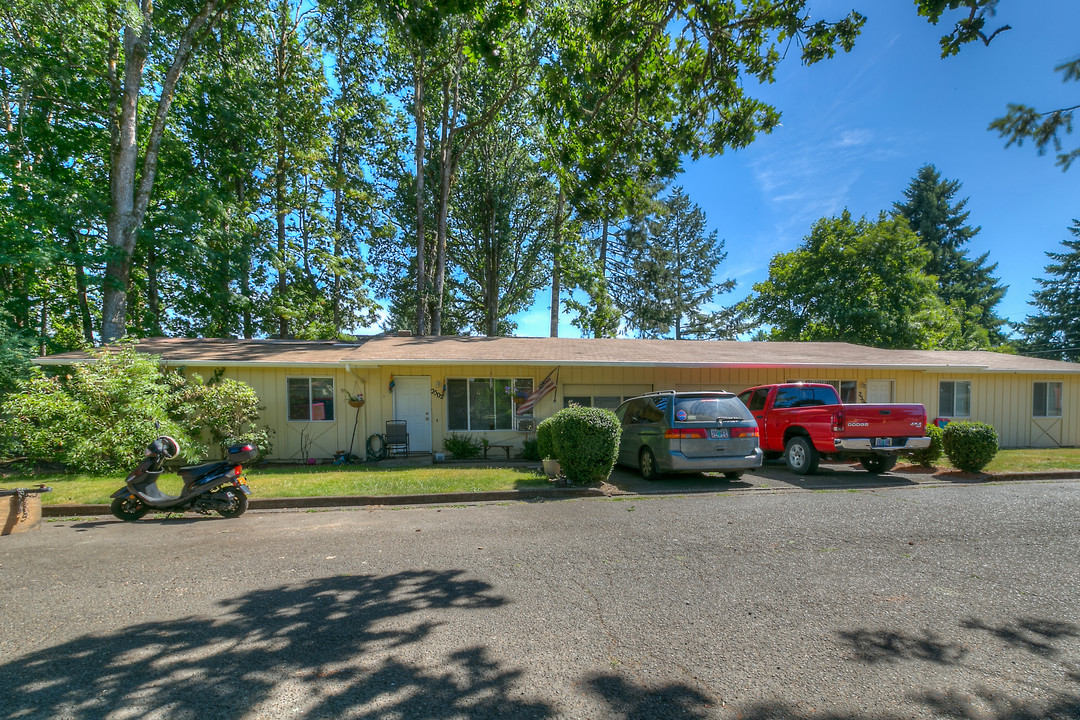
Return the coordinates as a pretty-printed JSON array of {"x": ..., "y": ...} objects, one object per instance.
[{"x": 856, "y": 129}]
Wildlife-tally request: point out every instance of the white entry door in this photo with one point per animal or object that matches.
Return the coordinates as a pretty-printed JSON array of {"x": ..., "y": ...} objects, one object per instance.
[
  {"x": 879, "y": 391},
  {"x": 412, "y": 403}
]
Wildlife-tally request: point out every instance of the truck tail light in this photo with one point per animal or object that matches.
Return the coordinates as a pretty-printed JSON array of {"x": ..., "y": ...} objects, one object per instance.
[
  {"x": 838, "y": 421},
  {"x": 685, "y": 434},
  {"x": 745, "y": 432}
]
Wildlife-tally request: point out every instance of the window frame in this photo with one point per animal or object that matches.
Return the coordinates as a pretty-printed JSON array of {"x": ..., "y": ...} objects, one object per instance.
[
  {"x": 952, "y": 411},
  {"x": 527, "y": 385},
  {"x": 309, "y": 379},
  {"x": 1046, "y": 399}
]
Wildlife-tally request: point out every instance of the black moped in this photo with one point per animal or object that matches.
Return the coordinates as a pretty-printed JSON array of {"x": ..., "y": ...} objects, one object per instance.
[{"x": 211, "y": 487}]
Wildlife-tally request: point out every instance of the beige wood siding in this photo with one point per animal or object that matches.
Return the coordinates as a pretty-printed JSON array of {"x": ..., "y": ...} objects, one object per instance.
[{"x": 1002, "y": 400}]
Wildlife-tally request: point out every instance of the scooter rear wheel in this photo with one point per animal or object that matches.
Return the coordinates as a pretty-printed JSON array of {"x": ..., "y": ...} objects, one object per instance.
[
  {"x": 238, "y": 503},
  {"x": 129, "y": 509}
]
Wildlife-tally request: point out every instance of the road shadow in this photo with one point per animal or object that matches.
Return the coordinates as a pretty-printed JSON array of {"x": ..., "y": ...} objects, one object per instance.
[
  {"x": 985, "y": 704},
  {"x": 628, "y": 701},
  {"x": 887, "y": 646},
  {"x": 315, "y": 642},
  {"x": 1035, "y": 635}
]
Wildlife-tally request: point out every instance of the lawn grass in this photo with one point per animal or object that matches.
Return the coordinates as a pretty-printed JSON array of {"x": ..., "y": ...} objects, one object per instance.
[
  {"x": 1031, "y": 460},
  {"x": 320, "y": 480}
]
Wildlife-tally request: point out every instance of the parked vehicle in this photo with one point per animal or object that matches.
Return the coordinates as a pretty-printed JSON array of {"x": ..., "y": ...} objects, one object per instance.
[
  {"x": 212, "y": 487},
  {"x": 688, "y": 432},
  {"x": 806, "y": 421}
]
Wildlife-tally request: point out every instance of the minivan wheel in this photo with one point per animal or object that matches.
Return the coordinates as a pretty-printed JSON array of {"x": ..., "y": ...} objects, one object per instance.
[
  {"x": 647, "y": 464},
  {"x": 802, "y": 457},
  {"x": 733, "y": 475}
]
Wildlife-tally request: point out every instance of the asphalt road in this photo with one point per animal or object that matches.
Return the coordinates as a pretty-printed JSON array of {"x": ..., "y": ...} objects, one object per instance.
[{"x": 896, "y": 602}]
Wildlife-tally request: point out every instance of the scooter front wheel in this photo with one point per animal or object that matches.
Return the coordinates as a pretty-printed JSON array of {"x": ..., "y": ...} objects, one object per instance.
[
  {"x": 238, "y": 503},
  {"x": 129, "y": 508}
]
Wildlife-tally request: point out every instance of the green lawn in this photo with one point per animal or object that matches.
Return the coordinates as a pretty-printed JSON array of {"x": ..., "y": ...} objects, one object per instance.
[
  {"x": 1010, "y": 461},
  {"x": 320, "y": 480}
]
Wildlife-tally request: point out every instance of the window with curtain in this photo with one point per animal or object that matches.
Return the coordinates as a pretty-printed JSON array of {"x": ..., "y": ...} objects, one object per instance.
[
  {"x": 476, "y": 404},
  {"x": 311, "y": 399},
  {"x": 1046, "y": 399}
]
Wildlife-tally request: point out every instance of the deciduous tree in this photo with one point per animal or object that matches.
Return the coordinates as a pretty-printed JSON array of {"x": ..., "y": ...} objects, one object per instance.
[{"x": 857, "y": 281}]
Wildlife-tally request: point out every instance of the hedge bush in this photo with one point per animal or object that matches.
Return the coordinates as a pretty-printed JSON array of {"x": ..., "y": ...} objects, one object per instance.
[
  {"x": 932, "y": 454},
  {"x": 585, "y": 441},
  {"x": 530, "y": 450},
  {"x": 462, "y": 447},
  {"x": 970, "y": 445},
  {"x": 545, "y": 447}
]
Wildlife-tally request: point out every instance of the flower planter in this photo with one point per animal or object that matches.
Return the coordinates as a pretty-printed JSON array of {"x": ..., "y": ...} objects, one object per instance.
[{"x": 356, "y": 403}]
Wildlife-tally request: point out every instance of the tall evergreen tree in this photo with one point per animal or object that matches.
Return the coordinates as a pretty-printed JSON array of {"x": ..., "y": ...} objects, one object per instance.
[
  {"x": 966, "y": 285},
  {"x": 1054, "y": 332},
  {"x": 672, "y": 280}
]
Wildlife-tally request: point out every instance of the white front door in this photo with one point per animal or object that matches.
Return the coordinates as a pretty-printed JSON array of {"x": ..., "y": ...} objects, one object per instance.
[
  {"x": 412, "y": 403},
  {"x": 879, "y": 391}
]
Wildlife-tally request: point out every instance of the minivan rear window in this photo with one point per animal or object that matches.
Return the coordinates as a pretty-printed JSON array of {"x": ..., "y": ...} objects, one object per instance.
[{"x": 708, "y": 409}]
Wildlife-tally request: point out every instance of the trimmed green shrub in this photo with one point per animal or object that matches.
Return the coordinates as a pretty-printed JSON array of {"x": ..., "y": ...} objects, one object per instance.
[
  {"x": 462, "y": 447},
  {"x": 585, "y": 441},
  {"x": 970, "y": 445},
  {"x": 932, "y": 454},
  {"x": 530, "y": 450},
  {"x": 545, "y": 446}
]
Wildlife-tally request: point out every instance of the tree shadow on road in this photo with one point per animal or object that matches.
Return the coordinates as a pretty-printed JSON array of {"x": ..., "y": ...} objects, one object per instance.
[
  {"x": 1034, "y": 635},
  {"x": 887, "y": 646},
  {"x": 327, "y": 645},
  {"x": 627, "y": 701}
]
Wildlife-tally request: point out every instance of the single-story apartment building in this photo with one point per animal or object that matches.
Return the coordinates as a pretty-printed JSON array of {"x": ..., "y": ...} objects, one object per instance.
[{"x": 490, "y": 387}]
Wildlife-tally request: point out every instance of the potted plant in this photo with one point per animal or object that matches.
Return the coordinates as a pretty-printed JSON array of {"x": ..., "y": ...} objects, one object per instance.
[
  {"x": 355, "y": 401},
  {"x": 551, "y": 464}
]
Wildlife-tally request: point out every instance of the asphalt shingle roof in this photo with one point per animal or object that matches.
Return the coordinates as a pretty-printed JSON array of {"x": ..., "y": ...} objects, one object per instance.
[{"x": 447, "y": 350}]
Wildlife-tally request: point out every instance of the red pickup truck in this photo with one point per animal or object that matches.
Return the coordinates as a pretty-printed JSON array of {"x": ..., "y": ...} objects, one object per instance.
[{"x": 805, "y": 421}]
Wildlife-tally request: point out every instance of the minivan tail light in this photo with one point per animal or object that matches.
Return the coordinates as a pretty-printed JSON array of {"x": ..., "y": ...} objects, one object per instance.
[
  {"x": 744, "y": 432},
  {"x": 685, "y": 434}
]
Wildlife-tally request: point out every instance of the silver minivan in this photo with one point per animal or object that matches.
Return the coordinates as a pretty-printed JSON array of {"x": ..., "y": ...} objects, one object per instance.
[{"x": 688, "y": 432}]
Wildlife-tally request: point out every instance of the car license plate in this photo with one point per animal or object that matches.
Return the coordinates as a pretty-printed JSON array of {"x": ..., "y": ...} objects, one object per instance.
[
  {"x": 719, "y": 433},
  {"x": 882, "y": 442}
]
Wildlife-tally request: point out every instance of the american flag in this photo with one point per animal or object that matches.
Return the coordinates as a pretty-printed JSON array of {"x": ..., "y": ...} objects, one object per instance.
[{"x": 545, "y": 387}]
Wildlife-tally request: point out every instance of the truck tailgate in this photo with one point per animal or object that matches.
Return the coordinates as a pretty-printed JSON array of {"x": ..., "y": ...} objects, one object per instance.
[{"x": 880, "y": 421}]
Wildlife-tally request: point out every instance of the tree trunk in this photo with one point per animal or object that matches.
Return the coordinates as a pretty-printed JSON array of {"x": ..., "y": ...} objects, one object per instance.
[
  {"x": 449, "y": 117},
  {"x": 556, "y": 268},
  {"x": 339, "y": 224},
  {"x": 128, "y": 202},
  {"x": 421, "y": 275},
  {"x": 153, "y": 299},
  {"x": 75, "y": 248},
  {"x": 122, "y": 222}
]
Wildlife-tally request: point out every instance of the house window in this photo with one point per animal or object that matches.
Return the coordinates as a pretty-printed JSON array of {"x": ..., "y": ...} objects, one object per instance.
[
  {"x": 609, "y": 402},
  {"x": 1046, "y": 399},
  {"x": 311, "y": 399},
  {"x": 954, "y": 398},
  {"x": 485, "y": 403}
]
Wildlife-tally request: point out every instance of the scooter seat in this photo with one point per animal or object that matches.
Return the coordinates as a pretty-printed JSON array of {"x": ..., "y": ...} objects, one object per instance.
[{"x": 193, "y": 472}]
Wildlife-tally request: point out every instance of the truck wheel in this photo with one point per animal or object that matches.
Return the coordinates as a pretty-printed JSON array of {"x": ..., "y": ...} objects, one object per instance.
[
  {"x": 802, "y": 457},
  {"x": 878, "y": 463}
]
